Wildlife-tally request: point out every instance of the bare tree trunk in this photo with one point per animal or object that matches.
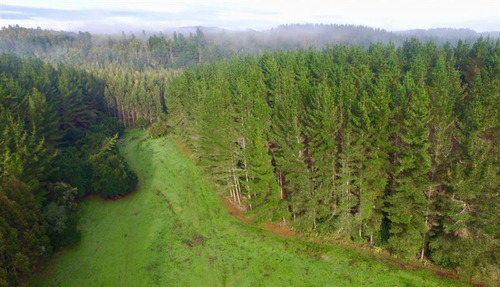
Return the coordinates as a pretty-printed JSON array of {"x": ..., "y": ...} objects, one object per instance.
[
  {"x": 124, "y": 118},
  {"x": 280, "y": 183},
  {"x": 118, "y": 112},
  {"x": 134, "y": 117},
  {"x": 314, "y": 219},
  {"x": 232, "y": 194},
  {"x": 238, "y": 187},
  {"x": 232, "y": 173},
  {"x": 231, "y": 189}
]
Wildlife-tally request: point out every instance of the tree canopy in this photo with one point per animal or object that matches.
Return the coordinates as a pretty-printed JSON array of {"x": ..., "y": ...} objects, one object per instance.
[
  {"x": 395, "y": 147},
  {"x": 58, "y": 143}
]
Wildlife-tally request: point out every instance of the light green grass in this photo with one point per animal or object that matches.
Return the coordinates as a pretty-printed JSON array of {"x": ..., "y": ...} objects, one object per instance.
[{"x": 174, "y": 231}]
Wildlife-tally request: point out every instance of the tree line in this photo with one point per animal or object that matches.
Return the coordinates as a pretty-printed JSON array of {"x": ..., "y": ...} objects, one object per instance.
[
  {"x": 391, "y": 145},
  {"x": 137, "y": 52},
  {"x": 199, "y": 45},
  {"x": 136, "y": 98},
  {"x": 394, "y": 147},
  {"x": 58, "y": 144}
]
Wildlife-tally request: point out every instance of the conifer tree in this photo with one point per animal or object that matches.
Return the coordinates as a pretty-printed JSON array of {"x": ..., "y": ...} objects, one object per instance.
[
  {"x": 323, "y": 123},
  {"x": 249, "y": 98},
  {"x": 444, "y": 89},
  {"x": 289, "y": 156},
  {"x": 406, "y": 202}
]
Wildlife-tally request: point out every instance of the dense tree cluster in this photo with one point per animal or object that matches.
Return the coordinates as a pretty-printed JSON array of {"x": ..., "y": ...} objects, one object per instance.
[
  {"x": 200, "y": 45},
  {"x": 57, "y": 144},
  {"x": 137, "y": 52},
  {"x": 302, "y": 36},
  {"x": 396, "y": 147},
  {"x": 136, "y": 98}
]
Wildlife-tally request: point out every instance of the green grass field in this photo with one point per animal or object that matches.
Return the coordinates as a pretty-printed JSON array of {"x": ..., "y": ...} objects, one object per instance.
[{"x": 175, "y": 231}]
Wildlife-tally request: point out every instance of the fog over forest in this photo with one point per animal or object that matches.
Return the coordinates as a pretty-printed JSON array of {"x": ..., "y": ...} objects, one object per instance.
[
  {"x": 236, "y": 143},
  {"x": 153, "y": 15}
]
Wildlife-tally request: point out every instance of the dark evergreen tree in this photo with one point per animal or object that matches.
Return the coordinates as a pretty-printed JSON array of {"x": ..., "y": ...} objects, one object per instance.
[
  {"x": 51, "y": 122},
  {"x": 406, "y": 202}
]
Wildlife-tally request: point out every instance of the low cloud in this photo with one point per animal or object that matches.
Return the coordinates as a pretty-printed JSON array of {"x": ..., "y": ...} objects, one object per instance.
[{"x": 108, "y": 17}]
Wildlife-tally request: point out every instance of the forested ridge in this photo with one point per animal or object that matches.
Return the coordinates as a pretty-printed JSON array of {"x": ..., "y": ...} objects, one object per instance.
[
  {"x": 58, "y": 144},
  {"x": 191, "y": 46},
  {"x": 136, "y": 52},
  {"x": 394, "y": 147},
  {"x": 391, "y": 145}
]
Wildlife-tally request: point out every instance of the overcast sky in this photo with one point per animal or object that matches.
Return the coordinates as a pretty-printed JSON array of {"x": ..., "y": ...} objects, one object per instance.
[{"x": 155, "y": 15}]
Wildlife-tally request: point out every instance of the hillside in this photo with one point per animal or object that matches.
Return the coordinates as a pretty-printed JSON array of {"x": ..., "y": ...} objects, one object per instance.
[
  {"x": 174, "y": 230},
  {"x": 395, "y": 147}
]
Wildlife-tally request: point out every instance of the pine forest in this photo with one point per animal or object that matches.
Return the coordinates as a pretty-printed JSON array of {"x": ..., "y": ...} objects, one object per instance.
[{"x": 382, "y": 141}]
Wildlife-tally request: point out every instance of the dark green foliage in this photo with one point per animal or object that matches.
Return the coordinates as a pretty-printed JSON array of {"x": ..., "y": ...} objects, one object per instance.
[
  {"x": 395, "y": 147},
  {"x": 111, "y": 176},
  {"x": 61, "y": 215},
  {"x": 142, "y": 123},
  {"x": 469, "y": 235},
  {"x": 200, "y": 45},
  {"x": 158, "y": 129},
  {"x": 55, "y": 141},
  {"x": 22, "y": 229},
  {"x": 322, "y": 121},
  {"x": 411, "y": 164},
  {"x": 74, "y": 168}
]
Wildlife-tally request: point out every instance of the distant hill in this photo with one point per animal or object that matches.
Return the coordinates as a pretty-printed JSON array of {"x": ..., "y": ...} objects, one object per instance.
[
  {"x": 319, "y": 35},
  {"x": 440, "y": 33},
  {"x": 189, "y": 29},
  {"x": 494, "y": 34},
  {"x": 298, "y": 36},
  {"x": 187, "y": 46}
]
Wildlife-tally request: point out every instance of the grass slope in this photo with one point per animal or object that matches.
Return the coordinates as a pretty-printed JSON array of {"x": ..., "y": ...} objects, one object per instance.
[{"x": 174, "y": 231}]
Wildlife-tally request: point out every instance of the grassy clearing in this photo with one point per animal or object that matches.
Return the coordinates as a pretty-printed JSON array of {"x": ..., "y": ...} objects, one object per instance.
[{"x": 174, "y": 231}]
